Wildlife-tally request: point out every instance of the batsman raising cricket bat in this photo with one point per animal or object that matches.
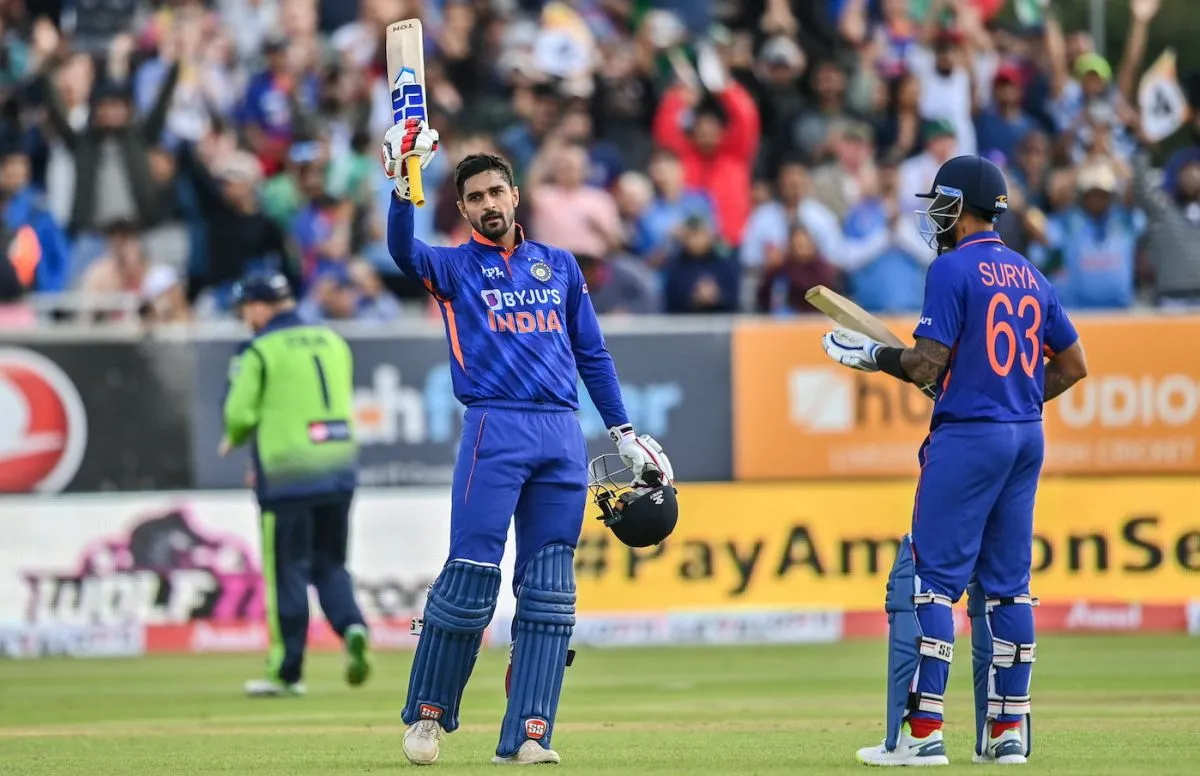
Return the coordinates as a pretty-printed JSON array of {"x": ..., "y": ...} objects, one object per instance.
[
  {"x": 406, "y": 75},
  {"x": 989, "y": 321},
  {"x": 521, "y": 329}
]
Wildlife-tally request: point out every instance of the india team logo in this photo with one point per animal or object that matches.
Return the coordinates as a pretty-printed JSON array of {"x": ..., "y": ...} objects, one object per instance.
[{"x": 540, "y": 271}]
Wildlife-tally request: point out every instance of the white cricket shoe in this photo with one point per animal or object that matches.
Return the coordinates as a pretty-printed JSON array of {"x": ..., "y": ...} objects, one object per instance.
[
  {"x": 1005, "y": 749},
  {"x": 910, "y": 751},
  {"x": 530, "y": 753},
  {"x": 421, "y": 741},
  {"x": 272, "y": 688}
]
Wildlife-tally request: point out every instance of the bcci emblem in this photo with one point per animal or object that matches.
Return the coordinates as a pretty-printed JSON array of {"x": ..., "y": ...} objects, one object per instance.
[{"x": 540, "y": 271}]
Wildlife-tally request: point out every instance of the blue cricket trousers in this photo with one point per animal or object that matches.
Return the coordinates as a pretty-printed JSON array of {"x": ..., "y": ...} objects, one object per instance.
[
  {"x": 517, "y": 462},
  {"x": 973, "y": 513}
]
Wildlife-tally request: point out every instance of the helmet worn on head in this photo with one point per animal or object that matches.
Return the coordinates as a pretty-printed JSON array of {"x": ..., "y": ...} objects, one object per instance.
[
  {"x": 261, "y": 286},
  {"x": 640, "y": 514},
  {"x": 970, "y": 184}
]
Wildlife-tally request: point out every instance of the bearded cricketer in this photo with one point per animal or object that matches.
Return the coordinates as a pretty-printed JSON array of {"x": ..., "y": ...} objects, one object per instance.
[
  {"x": 989, "y": 322},
  {"x": 521, "y": 328}
]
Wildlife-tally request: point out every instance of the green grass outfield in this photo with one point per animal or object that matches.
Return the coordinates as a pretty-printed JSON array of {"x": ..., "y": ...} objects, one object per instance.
[{"x": 1102, "y": 705}]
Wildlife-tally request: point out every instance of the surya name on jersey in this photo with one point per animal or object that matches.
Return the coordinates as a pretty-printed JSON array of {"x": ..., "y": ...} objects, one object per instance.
[{"x": 543, "y": 318}]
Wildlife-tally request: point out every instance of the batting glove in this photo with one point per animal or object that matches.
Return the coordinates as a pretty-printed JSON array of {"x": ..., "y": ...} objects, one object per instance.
[
  {"x": 643, "y": 455},
  {"x": 849, "y": 348},
  {"x": 412, "y": 137}
]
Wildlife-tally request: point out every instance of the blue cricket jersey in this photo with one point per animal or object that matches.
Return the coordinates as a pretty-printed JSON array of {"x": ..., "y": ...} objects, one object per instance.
[
  {"x": 999, "y": 316},
  {"x": 520, "y": 323}
]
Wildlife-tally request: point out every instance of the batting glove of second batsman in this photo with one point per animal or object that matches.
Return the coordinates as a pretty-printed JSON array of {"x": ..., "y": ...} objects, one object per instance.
[
  {"x": 411, "y": 137},
  {"x": 849, "y": 348},
  {"x": 643, "y": 455}
]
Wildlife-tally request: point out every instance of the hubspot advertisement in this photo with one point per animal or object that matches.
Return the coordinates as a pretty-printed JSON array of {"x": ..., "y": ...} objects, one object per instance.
[
  {"x": 799, "y": 415},
  {"x": 1134, "y": 540}
]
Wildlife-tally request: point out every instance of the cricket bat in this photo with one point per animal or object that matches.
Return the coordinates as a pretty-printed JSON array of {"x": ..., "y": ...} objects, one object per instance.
[
  {"x": 846, "y": 313},
  {"x": 406, "y": 74}
]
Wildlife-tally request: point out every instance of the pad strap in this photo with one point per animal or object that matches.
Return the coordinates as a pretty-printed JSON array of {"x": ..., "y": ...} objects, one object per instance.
[
  {"x": 1008, "y": 704},
  {"x": 926, "y": 701},
  {"x": 1013, "y": 600},
  {"x": 921, "y": 599},
  {"x": 936, "y": 648},
  {"x": 1006, "y": 654}
]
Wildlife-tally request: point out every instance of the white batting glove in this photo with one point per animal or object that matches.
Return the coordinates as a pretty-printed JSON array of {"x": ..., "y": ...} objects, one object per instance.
[
  {"x": 643, "y": 455},
  {"x": 849, "y": 348},
  {"x": 412, "y": 137}
]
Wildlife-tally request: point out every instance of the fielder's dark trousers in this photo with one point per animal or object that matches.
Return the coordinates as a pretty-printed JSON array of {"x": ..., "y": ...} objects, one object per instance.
[{"x": 304, "y": 543}]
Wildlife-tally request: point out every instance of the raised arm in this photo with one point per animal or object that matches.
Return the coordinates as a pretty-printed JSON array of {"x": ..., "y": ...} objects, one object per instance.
[
  {"x": 668, "y": 131},
  {"x": 152, "y": 126},
  {"x": 433, "y": 266},
  {"x": 1141, "y": 13},
  {"x": 743, "y": 127}
]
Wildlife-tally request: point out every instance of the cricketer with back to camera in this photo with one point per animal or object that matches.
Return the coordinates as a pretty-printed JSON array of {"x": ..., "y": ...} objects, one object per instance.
[
  {"x": 997, "y": 344},
  {"x": 521, "y": 328}
]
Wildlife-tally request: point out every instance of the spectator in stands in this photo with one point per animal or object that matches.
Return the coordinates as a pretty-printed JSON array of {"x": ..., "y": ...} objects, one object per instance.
[
  {"x": 1030, "y": 169},
  {"x": 715, "y": 133},
  {"x": 279, "y": 101},
  {"x": 898, "y": 127},
  {"x": 917, "y": 173},
  {"x": 163, "y": 297},
  {"x": 21, "y": 206},
  {"x": 1090, "y": 249},
  {"x": 1090, "y": 97},
  {"x": 840, "y": 184},
  {"x": 675, "y": 201},
  {"x": 322, "y": 228},
  {"x": 113, "y": 181},
  {"x": 238, "y": 234},
  {"x": 566, "y": 210},
  {"x": 883, "y": 254},
  {"x": 122, "y": 271},
  {"x": 780, "y": 95},
  {"x": 701, "y": 277},
  {"x": 374, "y": 301},
  {"x": 945, "y": 73},
  {"x": 1004, "y": 124},
  {"x": 332, "y": 296},
  {"x": 619, "y": 285},
  {"x": 769, "y": 226},
  {"x": 782, "y": 287},
  {"x": 810, "y": 132},
  {"x": 604, "y": 157},
  {"x": 1172, "y": 232}
]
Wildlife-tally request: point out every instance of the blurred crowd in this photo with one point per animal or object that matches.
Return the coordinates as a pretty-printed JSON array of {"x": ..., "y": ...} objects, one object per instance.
[{"x": 697, "y": 156}]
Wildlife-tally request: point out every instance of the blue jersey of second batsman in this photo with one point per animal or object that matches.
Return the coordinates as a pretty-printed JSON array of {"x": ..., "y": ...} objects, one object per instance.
[
  {"x": 999, "y": 316},
  {"x": 520, "y": 323}
]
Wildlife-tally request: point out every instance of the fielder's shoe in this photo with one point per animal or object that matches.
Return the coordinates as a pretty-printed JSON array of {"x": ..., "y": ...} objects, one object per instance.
[
  {"x": 530, "y": 753},
  {"x": 930, "y": 750},
  {"x": 272, "y": 688},
  {"x": 358, "y": 659},
  {"x": 421, "y": 741},
  {"x": 1005, "y": 749}
]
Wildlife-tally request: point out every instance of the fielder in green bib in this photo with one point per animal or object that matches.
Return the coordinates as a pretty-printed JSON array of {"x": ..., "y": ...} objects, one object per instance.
[{"x": 291, "y": 400}]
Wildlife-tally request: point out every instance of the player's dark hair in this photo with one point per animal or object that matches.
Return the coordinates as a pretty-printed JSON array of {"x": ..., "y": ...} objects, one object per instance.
[{"x": 475, "y": 164}]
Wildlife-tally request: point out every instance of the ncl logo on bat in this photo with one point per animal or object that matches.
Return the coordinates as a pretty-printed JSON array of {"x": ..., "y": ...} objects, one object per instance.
[{"x": 408, "y": 96}]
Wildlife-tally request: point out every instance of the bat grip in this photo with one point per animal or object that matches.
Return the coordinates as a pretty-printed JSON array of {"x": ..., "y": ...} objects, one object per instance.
[{"x": 416, "y": 189}]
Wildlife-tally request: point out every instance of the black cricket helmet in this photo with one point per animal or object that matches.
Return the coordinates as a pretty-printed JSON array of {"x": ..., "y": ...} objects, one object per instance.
[
  {"x": 640, "y": 513},
  {"x": 261, "y": 285},
  {"x": 968, "y": 184}
]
